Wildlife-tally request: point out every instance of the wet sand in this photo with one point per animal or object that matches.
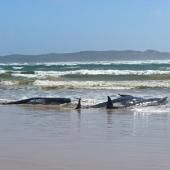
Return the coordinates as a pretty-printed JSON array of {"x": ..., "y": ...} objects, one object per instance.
[{"x": 47, "y": 138}]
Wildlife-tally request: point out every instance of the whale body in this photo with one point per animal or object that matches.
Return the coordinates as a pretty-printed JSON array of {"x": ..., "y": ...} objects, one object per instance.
[
  {"x": 129, "y": 100},
  {"x": 41, "y": 100}
]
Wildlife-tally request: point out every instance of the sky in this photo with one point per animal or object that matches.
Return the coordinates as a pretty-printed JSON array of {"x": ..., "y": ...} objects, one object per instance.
[{"x": 57, "y": 26}]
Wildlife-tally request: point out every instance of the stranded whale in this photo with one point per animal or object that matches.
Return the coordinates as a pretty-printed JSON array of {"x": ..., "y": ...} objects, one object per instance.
[
  {"x": 121, "y": 102},
  {"x": 128, "y": 100},
  {"x": 124, "y": 101},
  {"x": 41, "y": 100}
]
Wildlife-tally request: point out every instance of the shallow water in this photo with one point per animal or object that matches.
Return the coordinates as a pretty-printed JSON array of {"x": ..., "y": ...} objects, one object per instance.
[{"x": 37, "y": 138}]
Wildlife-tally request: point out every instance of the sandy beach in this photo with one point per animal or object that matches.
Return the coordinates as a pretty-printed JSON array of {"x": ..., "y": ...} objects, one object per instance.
[{"x": 53, "y": 139}]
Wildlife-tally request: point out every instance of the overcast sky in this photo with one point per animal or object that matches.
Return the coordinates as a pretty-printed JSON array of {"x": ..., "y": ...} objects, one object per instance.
[{"x": 45, "y": 26}]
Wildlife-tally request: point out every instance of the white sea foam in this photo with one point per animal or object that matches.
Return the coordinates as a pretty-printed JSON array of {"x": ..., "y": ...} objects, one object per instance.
[
  {"x": 76, "y": 84},
  {"x": 101, "y": 84},
  {"x": 14, "y": 64},
  {"x": 100, "y": 72},
  {"x": 106, "y": 62},
  {"x": 112, "y": 72},
  {"x": 38, "y": 74},
  {"x": 117, "y": 85},
  {"x": 8, "y": 83},
  {"x": 44, "y": 74},
  {"x": 17, "y": 68},
  {"x": 57, "y": 74},
  {"x": 2, "y": 71},
  {"x": 24, "y": 75},
  {"x": 93, "y": 62}
]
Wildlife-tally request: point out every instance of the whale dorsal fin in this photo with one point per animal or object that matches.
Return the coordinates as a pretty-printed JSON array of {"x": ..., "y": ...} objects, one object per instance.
[
  {"x": 79, "y": 104},
  {"x": 109, "y": 104}
]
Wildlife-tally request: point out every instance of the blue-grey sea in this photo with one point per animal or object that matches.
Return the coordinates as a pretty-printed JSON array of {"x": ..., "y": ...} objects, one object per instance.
[{"x": 89, "y": 80}]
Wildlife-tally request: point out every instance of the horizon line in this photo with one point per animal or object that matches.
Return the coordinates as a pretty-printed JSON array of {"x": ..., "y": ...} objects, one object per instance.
[{"x": 147, "y": 50}]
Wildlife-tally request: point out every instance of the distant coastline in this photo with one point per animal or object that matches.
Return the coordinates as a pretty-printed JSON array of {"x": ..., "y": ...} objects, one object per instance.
[{"x": 110, "y": 55}]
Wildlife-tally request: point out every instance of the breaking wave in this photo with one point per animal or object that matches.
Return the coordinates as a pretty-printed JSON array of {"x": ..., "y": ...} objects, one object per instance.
[
  {"x": 117, "y": 85},
  {"x": 101, "y": 84},
  {"x": 44, "y": 74},
  {"x": 73, "y": 63},
  {"x": 88, "y": 75}
]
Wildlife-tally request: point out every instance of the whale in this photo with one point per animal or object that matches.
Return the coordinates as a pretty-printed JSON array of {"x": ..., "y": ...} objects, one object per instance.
[
  {"x": 129, "y": 100},
  {"x": 153, "y": 102},
  {"x": 108, "y": 104},
  {"x": 124, "y": 101},
  {"x": 121, "y": 102},
  {"x": 40, "y": 100}
]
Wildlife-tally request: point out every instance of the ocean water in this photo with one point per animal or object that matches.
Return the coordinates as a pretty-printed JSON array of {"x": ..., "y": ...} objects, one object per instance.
[{"x": 92, "y": 81}]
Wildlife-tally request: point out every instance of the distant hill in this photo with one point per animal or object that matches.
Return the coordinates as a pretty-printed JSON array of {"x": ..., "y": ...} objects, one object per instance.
[{"x": 88, "y": 56}]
